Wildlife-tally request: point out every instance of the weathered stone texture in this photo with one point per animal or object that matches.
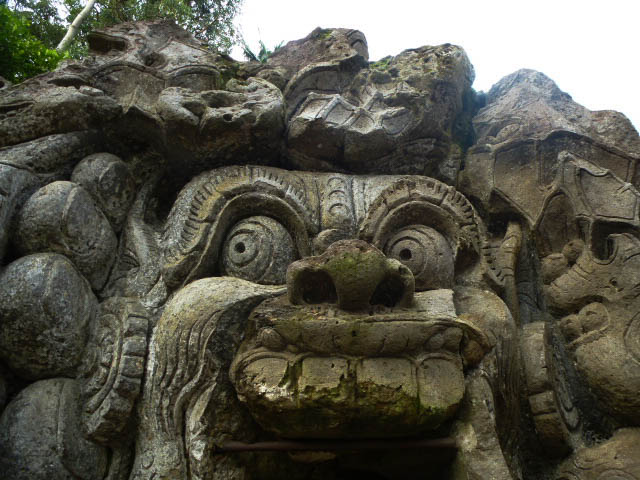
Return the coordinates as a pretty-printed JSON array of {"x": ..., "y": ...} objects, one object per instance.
[{"x": 367, "y": 265}]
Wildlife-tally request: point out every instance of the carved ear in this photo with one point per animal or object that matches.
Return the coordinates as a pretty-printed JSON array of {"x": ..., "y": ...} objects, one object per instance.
[
  {"x": 191, "y": 350},
  {"x": 112, "y": 387},
  {"x": 208, "y": 313},
  {"x": 212, "y": 203}
]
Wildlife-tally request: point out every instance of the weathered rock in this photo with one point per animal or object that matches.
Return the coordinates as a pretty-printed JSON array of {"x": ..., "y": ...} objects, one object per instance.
[
  {"x": 3, "y": 391},
  {"x": 15, "y": 187},
  {"x": 468, "y": 279},
  {"x": 46, "y": 308},
  {"x": 51, "y": 157},
  {"x": 41, "y": 436},
  {"x": 603, "y": 335},
  {"x": 524, "y": 129},
  {"x": 555, "y": 416},
  {"x": 63, "y": 218},
  {"x": 323, "y": 45},
  {"x": 119, "y": 346},
  {"x": 245, "y": 119},
  {"x": 110, "y": 183},
  {"x": 28, "y": 112},
  {"x": 393, "y": 116},
  {"x": 194, "y": 335},
  {"x": 528, "y": 104},
  {"x": 613, "y": 459}
]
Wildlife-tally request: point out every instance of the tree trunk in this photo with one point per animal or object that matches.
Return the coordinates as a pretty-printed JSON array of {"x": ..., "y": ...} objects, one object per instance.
[{"x": 75, "y": 25}]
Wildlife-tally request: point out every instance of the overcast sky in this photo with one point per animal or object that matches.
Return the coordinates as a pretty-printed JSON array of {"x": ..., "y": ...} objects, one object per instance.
[{"x": 590, "y": 49}]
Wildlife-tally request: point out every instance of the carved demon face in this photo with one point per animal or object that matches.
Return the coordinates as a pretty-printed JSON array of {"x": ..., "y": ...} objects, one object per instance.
[
  {"x": 366, "y": 340},
  {"x": 343, "y": 289},
  {"x": 169, "y": 297}
]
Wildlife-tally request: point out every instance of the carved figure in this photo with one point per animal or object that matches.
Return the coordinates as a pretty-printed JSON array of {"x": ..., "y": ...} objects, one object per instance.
[{"x": 318, "y": 267}]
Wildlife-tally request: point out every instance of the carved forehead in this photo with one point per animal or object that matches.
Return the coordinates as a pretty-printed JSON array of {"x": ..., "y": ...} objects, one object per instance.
[
  {"x": 308, "y": 204},
  {"x": 322, "y": 200}
]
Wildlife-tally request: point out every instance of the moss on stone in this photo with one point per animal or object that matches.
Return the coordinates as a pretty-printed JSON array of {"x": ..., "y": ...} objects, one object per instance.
[{"x": 382, "y": 64}]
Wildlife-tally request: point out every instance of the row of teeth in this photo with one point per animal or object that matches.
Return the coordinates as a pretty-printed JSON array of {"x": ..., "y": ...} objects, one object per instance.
[{"x": 295, "y": 373}]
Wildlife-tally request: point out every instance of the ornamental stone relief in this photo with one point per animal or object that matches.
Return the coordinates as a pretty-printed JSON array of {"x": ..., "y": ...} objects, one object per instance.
[{"x": 319, "y": 267}]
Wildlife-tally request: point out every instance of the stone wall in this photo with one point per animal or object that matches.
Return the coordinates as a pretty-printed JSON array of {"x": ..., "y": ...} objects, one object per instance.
[{"x": 319, "y": 267}]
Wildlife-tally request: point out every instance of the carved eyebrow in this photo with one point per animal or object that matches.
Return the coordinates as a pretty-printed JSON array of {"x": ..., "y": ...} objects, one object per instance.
[
  {"x": 211, "y": 203},
  {"x": 444, "y": 202}
]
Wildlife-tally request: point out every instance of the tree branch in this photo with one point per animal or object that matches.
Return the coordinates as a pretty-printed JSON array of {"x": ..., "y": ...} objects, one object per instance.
[{"x": 75, "y": 26}]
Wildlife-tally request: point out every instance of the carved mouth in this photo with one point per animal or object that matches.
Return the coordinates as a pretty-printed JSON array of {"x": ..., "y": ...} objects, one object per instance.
[{"x": 317, "y": 372}]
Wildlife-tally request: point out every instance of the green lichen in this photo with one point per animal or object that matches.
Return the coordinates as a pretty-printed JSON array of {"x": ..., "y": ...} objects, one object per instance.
[
  {"x": 382, "y": 64},
  {"x": 323, "y": 33}
]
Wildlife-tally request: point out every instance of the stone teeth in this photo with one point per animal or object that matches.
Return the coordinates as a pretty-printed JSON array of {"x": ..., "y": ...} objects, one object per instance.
[{"x": 385, "y": 387}]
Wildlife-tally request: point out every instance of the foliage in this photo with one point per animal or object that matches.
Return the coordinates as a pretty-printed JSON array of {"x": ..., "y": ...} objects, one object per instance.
[
  {"x": 209, "y": 20},
  {"x": 381, "y": 64},
  {"x": 31, "y": 29},
  {"x": 44, "y": 20},
  {"x": 263, "y": 54},
  {"x": 22, "y": 55}
]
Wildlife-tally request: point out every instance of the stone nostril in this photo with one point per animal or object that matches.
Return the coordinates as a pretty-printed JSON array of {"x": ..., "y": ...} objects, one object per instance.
[
  {"x": 317, "y": 287},
  {"x": 405, "y": 254},
  {"x": 388, "y": 292},
  {"x": 352, "y": 274}
]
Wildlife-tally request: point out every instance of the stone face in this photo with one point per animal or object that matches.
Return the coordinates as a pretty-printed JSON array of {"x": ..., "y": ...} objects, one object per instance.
[{"x": 321, "y": 253}]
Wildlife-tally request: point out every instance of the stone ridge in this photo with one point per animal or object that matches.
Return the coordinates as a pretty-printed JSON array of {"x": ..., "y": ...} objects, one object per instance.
[{"x": 342, "y": 268}]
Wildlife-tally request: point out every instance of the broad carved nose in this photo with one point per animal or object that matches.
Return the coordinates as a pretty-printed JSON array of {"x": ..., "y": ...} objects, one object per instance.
[{"x": 352, "y": 273}]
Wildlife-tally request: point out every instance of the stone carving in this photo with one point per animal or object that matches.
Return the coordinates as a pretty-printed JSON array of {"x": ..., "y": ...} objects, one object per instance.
[
  {"x": 47, "y": 309},
  {"x": 62, "y": 217},
  {"x": 342, "y": 268},
  {"x": 108, "y": 180},
  {"x": 113, "y": 381}
]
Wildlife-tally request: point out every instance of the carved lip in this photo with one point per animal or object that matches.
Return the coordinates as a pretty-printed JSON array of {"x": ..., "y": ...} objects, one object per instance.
[
  {"x": 429, "y": 325},
  {"x": 372, "y": 336},
  {"x": 316, "y": 371}
]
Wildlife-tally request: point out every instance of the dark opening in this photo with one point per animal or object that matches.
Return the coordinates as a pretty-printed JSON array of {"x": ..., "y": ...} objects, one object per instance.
[
  {"x": 352, "y": 474},
  {"x": 317, "y": 287},
  {"x": 239, "y": 247},
  {"x": 601, "y": 244},
  {"x": 227, "y": 117},
  {"x": 388, "y": 292},
  {"x": 405, "y": 254}
]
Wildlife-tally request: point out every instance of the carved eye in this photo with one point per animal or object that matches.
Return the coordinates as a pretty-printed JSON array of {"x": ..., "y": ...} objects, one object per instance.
[
  {"x": 426, "y": 253},
  {"x": 258, "y": 249}
]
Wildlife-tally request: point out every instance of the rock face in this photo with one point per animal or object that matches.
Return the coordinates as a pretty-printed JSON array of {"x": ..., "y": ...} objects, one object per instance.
[{"x": 352, "y": 269}]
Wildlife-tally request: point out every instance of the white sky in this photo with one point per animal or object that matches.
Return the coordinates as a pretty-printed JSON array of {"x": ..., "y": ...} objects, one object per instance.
[{"x": 591, "y": 49}]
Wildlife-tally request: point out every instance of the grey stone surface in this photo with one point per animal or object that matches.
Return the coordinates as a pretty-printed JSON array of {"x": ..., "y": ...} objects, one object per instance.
[
  {"x": 30, "y": 112},
  {"x": 62, "y": 217},
  {"x": 317, "y": 248},
  {"x": 46, "y": 308},
  {"x": 39, "y": 436},
  {"x": 393, "y": 116},
  {"x": 110, "y": 183}
]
